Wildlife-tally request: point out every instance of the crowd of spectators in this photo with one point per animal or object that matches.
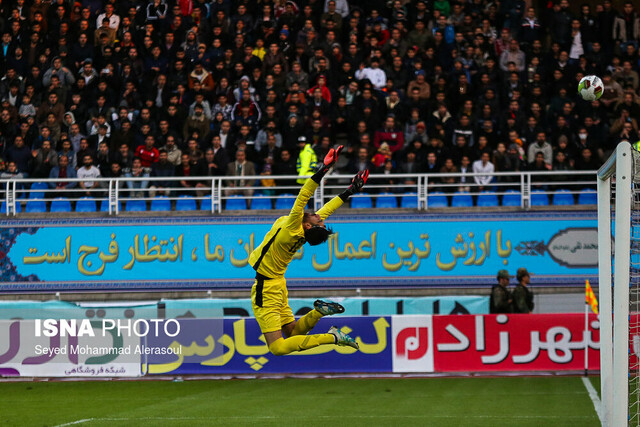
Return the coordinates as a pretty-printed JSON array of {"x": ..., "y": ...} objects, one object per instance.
[{"x": 210, "y": 88}]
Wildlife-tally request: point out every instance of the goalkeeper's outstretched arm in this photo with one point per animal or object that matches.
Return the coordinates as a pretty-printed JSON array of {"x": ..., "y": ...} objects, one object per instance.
[
  {"x": 357, "y": 183},
  {"x": 309, "y": 187}
]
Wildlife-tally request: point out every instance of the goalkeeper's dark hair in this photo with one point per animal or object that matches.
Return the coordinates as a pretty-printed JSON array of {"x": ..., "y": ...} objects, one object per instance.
[{"x": 317, "y": 235}]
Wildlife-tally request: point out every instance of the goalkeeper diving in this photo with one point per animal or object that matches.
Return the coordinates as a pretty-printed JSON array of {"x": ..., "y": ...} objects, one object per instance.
[{"x": 269, "y": 296}]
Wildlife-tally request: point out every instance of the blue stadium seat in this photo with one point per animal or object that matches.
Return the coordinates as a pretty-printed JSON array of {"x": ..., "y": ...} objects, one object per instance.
[
  {"x": 236, "y": 203},
  {"x": 409, "y": 201},
  {"x": 539, "y": 198},
  {"x": 35, "y": 187},
  {"x": 588, "y": 197},
  {"x": 487, "y": 199},
  {"x": 86, "y": 204},
  {"x": 386, "y": 201},
  {"x": 60, "y": 204},
  {"x": 205, "y": 204},
  {"x": 135, "y": 205},
  {"x": 34, "y": 206},
  {"x": 437, "y": 199},
  {"x": 563, "y": 198},
  {"x": 186, "y": 203},
  {"x": 104, "y": 205},
  {"x": 285, "y": 201},
  {"x": 3, "y": 207},
  {"x": 361, "y": 201},
  {"x": 461, "y": 199},
  {"x": 261, "y": 203},
  {"x": 160, "y": 204},
  {"x": 512, "y": 198}
]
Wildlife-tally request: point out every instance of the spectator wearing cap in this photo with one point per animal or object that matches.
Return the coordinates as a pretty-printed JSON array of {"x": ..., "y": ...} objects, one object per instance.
[
  {"x": 306, "y": 159},
  {"x": 373, "y": 73},
  {"x": 522, "y": 295},
  {"x": 500, "y": 300}
]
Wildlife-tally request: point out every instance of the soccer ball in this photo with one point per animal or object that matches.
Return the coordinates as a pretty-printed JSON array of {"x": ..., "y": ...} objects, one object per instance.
[{"x": 590, "y": 88}]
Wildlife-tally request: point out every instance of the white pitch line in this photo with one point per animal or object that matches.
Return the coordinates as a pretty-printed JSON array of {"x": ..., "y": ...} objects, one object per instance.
[
  {"x": 263, "y": 417},
  {"x": 86, "y": 420},
  {"x": 593, "y": 394}
]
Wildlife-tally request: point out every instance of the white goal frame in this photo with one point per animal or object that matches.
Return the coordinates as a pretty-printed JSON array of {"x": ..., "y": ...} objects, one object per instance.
[{"x": 614, "y": 330}]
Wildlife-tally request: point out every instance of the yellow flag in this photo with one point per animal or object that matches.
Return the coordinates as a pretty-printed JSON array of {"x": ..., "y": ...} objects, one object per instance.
[{"x": 590, "y": 298}]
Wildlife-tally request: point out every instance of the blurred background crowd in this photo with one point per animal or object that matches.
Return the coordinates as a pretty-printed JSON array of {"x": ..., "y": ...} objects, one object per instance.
[{"x": 211, "y": 88}]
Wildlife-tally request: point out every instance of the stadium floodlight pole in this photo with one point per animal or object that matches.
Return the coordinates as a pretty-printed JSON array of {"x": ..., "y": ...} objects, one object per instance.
[{"x": 615, "y": 400}]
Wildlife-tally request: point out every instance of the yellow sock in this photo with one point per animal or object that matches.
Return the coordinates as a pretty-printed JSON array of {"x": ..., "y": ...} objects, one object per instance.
[
  {"x": 306, "y": 323},
  {"x": 283, "y": 346}
]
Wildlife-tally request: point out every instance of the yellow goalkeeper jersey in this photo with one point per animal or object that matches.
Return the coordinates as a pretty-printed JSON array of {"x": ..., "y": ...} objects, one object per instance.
[{"x": 286, "y": 236}]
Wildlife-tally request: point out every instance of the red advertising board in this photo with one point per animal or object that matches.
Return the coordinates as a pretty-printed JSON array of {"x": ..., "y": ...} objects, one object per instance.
[{"x": 515, "y": 342}]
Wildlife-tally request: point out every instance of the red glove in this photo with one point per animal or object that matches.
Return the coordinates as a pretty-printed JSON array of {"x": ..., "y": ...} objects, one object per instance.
[{"x": 332, "y": 156}]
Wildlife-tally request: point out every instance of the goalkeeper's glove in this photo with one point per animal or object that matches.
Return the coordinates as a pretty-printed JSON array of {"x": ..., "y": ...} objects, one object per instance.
[
  {"x": 329, "y": 160},
  {"x": 356, "y": 185}
]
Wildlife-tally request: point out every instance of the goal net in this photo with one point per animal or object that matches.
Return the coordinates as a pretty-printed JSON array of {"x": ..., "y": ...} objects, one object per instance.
[{"x": 619, "y": 286}]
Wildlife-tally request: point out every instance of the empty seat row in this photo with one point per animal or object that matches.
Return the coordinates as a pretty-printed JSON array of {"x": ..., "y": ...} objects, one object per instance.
[
  {"x": 286, "y": 201},
  {"x": 384, "y": 201},
  {"x": 512, "y": 198}
]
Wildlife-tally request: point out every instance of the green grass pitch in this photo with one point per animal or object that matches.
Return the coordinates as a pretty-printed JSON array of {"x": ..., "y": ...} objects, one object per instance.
[{"x": 503, "y": 401}]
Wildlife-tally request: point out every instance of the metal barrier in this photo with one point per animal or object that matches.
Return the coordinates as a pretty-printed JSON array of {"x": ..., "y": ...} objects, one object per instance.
[{"x": 215, "y": 194}]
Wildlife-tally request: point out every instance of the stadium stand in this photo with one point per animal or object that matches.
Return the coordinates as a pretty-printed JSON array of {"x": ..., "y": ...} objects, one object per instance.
[{"x": 129, "y": 100}]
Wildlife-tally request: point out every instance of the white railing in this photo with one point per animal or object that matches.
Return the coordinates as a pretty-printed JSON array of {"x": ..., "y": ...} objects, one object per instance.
[{"x": 214, "y": 193}]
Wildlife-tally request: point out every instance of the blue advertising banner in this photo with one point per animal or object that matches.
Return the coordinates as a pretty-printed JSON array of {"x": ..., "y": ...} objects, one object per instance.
[
  {"x": 382, "y": 306},
  {"x": 242, "y": 350},
  {"x": 380, "y": 251}
]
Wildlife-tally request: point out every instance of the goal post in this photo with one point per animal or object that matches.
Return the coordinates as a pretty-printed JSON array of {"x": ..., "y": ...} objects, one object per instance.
[{"x": 616, "y": 177}]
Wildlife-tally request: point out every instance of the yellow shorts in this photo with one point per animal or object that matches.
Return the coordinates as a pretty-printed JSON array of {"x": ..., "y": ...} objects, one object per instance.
[{"x": 270, "y": 302}]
